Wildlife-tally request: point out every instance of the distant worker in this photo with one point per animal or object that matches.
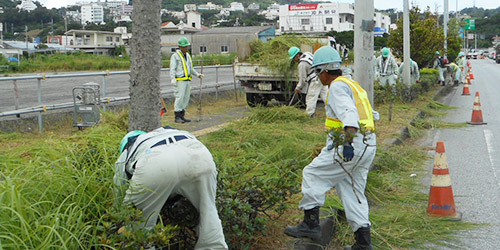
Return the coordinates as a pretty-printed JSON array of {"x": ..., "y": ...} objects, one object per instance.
[
  {"x": 461, "y": 64},
  {"x": 181, "y": 70},
  {"x": 386, "y": 68},
  {"x": 441, "y": 63},
  {"x": 347, "y": 107},
  {"x": 165, "y": 163},
  {"x": 414, "y": 72},
  {"x": 308, "y": 81},
  {"x": 455, "y": 72}
]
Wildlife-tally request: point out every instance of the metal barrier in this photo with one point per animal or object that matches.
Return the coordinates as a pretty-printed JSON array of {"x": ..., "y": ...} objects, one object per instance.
[{"x": 43, "y": 108}]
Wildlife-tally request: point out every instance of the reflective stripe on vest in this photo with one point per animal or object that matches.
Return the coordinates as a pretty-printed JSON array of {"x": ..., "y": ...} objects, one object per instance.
[
  {"x": 186, "y": 77},
  {"x": 308, "y": 58},
  {"x": 362, "y": 105}
]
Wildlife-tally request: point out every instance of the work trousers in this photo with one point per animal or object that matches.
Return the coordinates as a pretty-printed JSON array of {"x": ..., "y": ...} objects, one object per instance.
[
  {"x": 323, "y": 173},
  {"x": 182, "y": 93},
  {"x": 315, "y": 89},
  {"x": 441, "y": 73},
  {"x": 389, "y": 79},
  {"x": 180, "y": 168}
]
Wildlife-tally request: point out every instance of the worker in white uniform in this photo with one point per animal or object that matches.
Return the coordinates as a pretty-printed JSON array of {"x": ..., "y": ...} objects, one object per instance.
[
  {"x": 308, "y": 81},
  {"x": 414, "y": 72},
  {"x": 386, "y": 68},
  {"x": 181, "y": 70},
  {"x": 347, "y": 107},
  {"x": 461, "y": 64},
  {"x": 164, "y": 163},
  {"x": 441, "y": 63}
]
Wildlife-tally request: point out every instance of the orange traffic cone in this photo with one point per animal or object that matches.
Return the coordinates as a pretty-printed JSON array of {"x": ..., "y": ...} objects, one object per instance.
[
  {"x": 471, "y": 75},
  {"x": 441, "y": 201},
  {"x": 466, "y": 89},
  {"x": 477, "y": 114},
  {"x": 468, "y": 80}
]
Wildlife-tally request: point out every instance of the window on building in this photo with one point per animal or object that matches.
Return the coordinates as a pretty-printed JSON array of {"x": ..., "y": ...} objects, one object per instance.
[
  {"x": 193, "y": 25},
  {"x": 117, "y": 39},
  {"x": 324, "y": 28},
  {"x": 305, "y": 21},
  {"x": 329, "y": 20},
  {"x": 340, "y": 20},
  {"x": 282, "y": 28},
  {"x": 223, "y": 48},
  {"x": 109, "y": 39},
  {"x": 203, "y": 49},
  {"x": 311, "y": 28}
]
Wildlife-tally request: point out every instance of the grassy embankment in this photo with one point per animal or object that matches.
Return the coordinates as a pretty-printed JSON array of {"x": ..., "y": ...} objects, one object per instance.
[
  {"x": 90, "y": 62},
  {"x": 56, "y": 187}
]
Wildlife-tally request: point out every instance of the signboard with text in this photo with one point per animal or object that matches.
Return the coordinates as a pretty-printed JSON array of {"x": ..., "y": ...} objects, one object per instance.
[{"x": 471, "y": 24}]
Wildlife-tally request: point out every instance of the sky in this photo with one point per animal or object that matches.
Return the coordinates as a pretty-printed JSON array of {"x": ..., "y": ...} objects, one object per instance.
[{"x": 379, "y": 4}]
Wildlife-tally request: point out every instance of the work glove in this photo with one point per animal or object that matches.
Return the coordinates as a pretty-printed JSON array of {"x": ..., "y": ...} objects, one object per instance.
[
  {"x": 174, "y": 82},
  {"x": 395, "y": 77},
  {"x": 347, "y": 151},
  {"x": 297, "y": 91},
  {"x": 201, "y": 76}
]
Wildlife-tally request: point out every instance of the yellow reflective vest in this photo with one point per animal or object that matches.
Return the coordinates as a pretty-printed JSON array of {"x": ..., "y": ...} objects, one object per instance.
[
  {"x": 187, "y": 76},
  {"x": 363, "y": 106}
]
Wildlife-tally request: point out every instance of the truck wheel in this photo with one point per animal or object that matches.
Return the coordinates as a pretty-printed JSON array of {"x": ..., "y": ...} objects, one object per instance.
[{"x": 251, "y": 99}]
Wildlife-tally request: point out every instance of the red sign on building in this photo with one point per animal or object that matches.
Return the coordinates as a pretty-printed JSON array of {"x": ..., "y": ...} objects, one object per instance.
[{"x": 297, "y": 7}]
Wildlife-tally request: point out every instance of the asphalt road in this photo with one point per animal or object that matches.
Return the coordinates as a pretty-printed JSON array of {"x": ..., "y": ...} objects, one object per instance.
[
  {"x": 59, "y": 90},
  {"x": 473, "y": 156}
]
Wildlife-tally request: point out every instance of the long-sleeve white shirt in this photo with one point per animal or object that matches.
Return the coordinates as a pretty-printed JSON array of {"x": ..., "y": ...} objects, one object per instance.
[{"x": 176, "y": 68}]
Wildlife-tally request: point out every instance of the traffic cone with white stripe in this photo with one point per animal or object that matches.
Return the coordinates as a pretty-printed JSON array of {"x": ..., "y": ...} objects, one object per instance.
[
  {"x": 466, "y": 90},
  {"x": 468, "y": 80},
  {"x": 441, "y": 201},
  {"x": 477, "y": 114}
]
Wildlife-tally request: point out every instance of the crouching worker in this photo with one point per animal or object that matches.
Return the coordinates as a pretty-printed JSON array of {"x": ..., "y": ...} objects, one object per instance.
[
  {"x": 167, "y": 162},
  {"x": 347, "y": 106}
]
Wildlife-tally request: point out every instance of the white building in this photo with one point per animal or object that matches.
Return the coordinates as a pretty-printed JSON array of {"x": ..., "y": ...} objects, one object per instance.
[
  {"x": 323, "y": 17},
  {"x": 382, "y": 24},
  {"x": 74, "y": 15},
  {"x": 26, "y": 5},
  {"x": 253, "y": 6},
  {"x": 236, "y": 6},
  {"x": 114, "y": 4},
  {"x": 272, "y": 12},
  {"x": 189, "y": 7},
  {"x": 209, "y": 6},
  {"x": 194, "y": 19},
  {"x": 92, "y": 13}
]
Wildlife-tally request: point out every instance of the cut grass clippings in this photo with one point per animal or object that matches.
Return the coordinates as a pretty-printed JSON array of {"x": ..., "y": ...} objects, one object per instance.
[{"x": 56, "y": 187}]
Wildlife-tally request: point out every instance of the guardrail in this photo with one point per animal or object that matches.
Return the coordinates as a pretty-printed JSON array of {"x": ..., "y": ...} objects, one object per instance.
[{"x": 43, "y": 108}]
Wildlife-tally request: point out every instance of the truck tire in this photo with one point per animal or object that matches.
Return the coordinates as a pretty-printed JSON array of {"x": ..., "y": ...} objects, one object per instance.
[{"x": 254, "y": 99}]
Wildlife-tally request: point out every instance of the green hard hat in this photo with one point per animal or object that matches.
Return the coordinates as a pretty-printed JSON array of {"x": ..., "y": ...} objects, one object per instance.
[
  {"x": 184, "y": 42},
  {"x": 327, "y": 56},
  {"x": 293, "y": 51},
  {"x": 437, "y": 53},
  {"x": 460, "y": 54},
  {"x": 385, "y": 52},
  {"x": 130, "y": 134}
]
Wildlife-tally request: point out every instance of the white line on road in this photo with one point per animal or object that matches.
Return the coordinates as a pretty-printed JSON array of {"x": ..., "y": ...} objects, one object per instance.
[{"x": 488, "y": 136}]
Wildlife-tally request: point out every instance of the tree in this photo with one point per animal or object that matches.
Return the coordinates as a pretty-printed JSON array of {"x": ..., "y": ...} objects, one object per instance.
[
  {"x": 453, "y": 40},
  {"x": 344, "y": 38},
  {"x": 426, "y": 37},
  {"x": 145, "y": 66}
]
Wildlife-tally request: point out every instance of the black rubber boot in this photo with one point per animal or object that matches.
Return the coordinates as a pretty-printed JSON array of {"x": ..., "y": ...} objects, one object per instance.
[
  {"x": 178, "y": 117},
  {"x": 308, "y": 228},
  {"x": 363, "y": 240},
  {"x": 183, "y": 112}
]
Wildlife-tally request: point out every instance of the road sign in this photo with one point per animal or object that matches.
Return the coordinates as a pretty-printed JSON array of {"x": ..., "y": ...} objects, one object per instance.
[{"x": 471, "y": 24}]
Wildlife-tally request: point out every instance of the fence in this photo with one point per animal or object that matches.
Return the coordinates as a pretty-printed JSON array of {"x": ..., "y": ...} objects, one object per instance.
[{"x": 40, "y": 108}]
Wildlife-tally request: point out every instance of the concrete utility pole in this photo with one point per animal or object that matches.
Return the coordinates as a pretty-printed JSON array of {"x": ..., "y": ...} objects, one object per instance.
[
  {"x": 363, "y": 45},
  {"x": 445, "y": 20},
  {"x": 406, "y": 43}
]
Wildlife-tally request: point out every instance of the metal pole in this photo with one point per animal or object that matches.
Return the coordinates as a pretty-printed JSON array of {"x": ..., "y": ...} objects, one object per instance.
[
  {"x": 103, "y": 92},
  {"x": 39, "y": 90},
  {"x": 234, "y": 82},
  {"x": 363, "y": 45},
  {"x": 445, "y": 20},
  {"x": 217, "y": 81},
  {"x": 406, "y": 43},
  {"x": 16, "y": 93}
]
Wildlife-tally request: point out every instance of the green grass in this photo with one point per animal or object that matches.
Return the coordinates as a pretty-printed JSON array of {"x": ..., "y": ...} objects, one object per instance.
[
  {"x": 56, "y": 188},
  {"x": 88, "y": 62}
]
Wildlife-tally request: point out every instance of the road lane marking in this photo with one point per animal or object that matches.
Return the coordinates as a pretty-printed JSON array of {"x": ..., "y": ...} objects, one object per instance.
[{"x": 488, "y": 136}]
